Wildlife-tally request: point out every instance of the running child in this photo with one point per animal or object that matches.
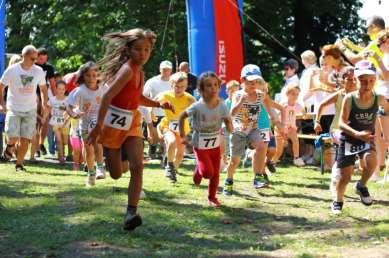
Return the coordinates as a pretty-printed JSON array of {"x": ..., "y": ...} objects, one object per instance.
[
  {"x": 168, "y": 127},
  {"x": 206, "y": 116},
  {"x": 83, "y": 103},
  {"x": 357, "y": 122},
  {"x": 59, "y": 119},
  {"x": 118, "y": 125},
  {"x": 244, "y": 111}
]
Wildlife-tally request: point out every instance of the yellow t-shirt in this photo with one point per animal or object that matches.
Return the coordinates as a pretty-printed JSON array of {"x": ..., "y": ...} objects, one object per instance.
[{"x": 180, "y": 104}]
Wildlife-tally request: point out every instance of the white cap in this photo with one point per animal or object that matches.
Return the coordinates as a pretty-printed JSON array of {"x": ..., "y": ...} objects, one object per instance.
[{"x": 166, "y": 64}]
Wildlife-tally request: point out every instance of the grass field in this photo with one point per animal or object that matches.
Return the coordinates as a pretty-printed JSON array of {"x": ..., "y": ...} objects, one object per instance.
[{"x": 47, "y": 212}]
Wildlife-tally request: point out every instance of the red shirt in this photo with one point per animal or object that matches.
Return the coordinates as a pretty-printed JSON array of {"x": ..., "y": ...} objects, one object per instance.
[
  {"x": 70, "y": 80},
  {"x": 129, "y": 97}
]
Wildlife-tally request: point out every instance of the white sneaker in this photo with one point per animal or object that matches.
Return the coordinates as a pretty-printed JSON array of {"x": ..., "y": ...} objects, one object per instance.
[
  {"x": 310, "y": 161},
  {"x": 299, "y": 162},
  {"x": 142, "y": 195},
  {"x": 91, "y": 180},
  {"x": 100, "y": 173}
]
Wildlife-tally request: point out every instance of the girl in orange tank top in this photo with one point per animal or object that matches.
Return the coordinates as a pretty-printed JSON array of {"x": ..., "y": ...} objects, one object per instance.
[{"x": 118, "y": 123}]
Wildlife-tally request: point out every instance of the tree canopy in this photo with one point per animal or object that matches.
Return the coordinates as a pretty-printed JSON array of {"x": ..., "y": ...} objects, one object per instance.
[{"x": 72, "y": 30}]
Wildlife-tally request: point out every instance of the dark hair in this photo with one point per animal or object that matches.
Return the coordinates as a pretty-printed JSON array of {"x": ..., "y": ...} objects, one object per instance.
[
  {"x": 60, "y": 82},
  {"x": 42, "y": 51},
  {"x": 292, "y": 63},
  {"x": 205, "y": 76},
  {"x": 378, "y": 21},
  {"x": 117, "y": 49},
  {"x": 84, "y": 69}
]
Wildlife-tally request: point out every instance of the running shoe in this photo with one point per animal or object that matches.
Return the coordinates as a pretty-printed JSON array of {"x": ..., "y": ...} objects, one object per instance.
[
  {"x": 336, "y": 207},
  {"x": 43, "y": 150},
  {"x": 131, "y": 221},
  {"x": 363, "y": 193},
  {"x": 228, "y": 187},
  {"x": 100, "y": 173},
  {"x": 20, "y": 168},
  {"x": 270, "y": 165},
  {"x": 298, "y": 162},
  {"x": 260, "y": 181},
  {"x": 170, "y": 172},
  {"x": 91, "y": 179}
]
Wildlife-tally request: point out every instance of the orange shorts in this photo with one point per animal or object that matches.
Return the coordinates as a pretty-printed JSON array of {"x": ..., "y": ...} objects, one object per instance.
[{"x": 113, "y": 138}]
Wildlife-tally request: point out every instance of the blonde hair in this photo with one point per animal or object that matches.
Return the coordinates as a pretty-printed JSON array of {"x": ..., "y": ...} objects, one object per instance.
[
  {"x": 231, "y": 84},
  {"x": 177, "y": 77},
  {"x": 292, "y": 87},
  {"x": 382, "y": 36},
  {"x": 117, "y": 49},
  {"x": 28, "y": 49},
  {"x": 309, "y": 56}
]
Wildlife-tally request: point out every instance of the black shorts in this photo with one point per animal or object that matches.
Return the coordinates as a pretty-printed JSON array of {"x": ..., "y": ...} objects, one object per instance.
[
  {"x": 344, "y": 160},
  {"x": 325, "y": 123},
  {"x": 307, "y": 128}
]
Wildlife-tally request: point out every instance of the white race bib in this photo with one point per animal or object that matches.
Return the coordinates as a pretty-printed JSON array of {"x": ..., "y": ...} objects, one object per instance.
[
  {"x": 209, "y": 140},
  {"x": 118, "y": 118},
  {"x": 351, "y": 149},
  {"x": 264, "y": 134},
  {"x": 173, "y": 125}
]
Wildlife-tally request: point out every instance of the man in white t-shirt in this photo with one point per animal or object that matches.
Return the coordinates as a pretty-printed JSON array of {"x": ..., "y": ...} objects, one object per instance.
[
  {"x": 154, "y": 86},
  {"x": 22, "y": 80}
]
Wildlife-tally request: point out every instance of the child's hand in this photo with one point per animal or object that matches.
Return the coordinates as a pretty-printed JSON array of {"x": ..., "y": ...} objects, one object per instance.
[
  {"x": 365, "y": 136},
  {"x": 184, "y": 140},
  {"x": 167, "y": 105},
  {"x": 93, "y": 135},
  {"x": 317, "y": 128}
]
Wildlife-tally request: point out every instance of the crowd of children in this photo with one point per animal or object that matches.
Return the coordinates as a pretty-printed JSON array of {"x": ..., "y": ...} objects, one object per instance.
[{"x": 101, "y": 118}]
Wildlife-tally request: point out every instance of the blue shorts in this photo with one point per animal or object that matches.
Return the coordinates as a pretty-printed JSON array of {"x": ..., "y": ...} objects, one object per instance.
[{"x": 272, "y": 142}]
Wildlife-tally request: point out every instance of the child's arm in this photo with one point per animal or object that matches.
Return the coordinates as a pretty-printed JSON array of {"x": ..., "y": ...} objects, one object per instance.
[
  {"x": 327, "y": 101},
  {"x": 237, "y": 103},
  {"x": 181, "y": 124},
  {"x": 227, "y": 121}
]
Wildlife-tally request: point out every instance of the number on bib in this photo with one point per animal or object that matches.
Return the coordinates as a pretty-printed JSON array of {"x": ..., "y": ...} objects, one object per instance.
[
  {"x": 92, "y": 124},
  {"x": 264, "y": 134},
  {"x": 118, "y": 118},
  {"x": 173, "y": 125},
  {"x": 209, "y": 141},
  {"x": 351, "y": 149}
]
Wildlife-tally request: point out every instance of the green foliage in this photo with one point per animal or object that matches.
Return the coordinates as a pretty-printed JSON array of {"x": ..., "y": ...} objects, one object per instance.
[{"x": 73, "y": 29}]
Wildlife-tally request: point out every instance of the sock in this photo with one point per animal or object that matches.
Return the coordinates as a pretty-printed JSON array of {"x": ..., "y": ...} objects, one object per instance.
[
  {"x": 100, "y": 165},
  {"x": 131, "y": 209},
  {"x": 91, "y": 172}
]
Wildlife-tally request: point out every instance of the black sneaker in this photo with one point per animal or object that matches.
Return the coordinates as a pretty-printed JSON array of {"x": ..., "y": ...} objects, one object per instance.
[
  {"x": 228, "y": 187},
  {"x": 170, "y": 172},
  {"x": 363, "y": 193},
  {"x": 336, "y": 207},
  {"x": 270, "y": 165},
  {"x": 132, "y": 221},
  {"x": 20, "y": 168},
  {"x": 43, "y": 149},
  {"x": 164, "y": 161},
  {"x": 260, "y": 181}
]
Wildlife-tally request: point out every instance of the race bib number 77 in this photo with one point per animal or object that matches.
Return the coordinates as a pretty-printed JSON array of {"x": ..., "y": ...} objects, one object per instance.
[
  {"x": 118, "y": 118},
  {"x": 209, "y": 140}
]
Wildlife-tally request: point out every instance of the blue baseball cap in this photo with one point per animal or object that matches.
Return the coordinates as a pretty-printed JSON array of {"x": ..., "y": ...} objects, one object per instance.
[
  {"x": 364, "y": 67},
  {"x": 251, "y": 72}
]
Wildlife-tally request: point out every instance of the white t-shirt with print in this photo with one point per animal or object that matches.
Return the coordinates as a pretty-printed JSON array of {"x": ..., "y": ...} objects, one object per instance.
[
  {"x": 22, "y": 86},
  {"x": 153, "y": 87},
  {"x": 88, "y": 101},
  {"x": 58, "y": 109}
]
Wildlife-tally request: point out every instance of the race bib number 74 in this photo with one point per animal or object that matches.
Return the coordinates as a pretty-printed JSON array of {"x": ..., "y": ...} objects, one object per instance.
[
  {"x": 118, "y": 118},
  {"x": 351, "y": 149}
]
